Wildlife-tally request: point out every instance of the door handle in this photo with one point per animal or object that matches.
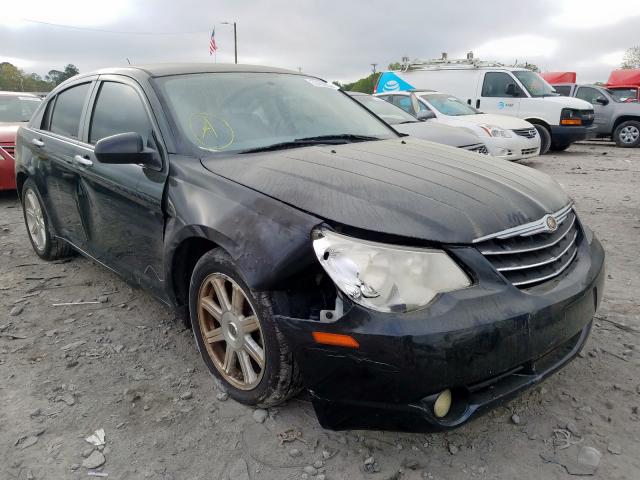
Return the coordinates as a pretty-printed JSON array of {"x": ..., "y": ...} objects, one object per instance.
[
  {"x": 478, "y": 103},
  {"x": 82, "y": 160},
  {"x": 37, "y": 143}
]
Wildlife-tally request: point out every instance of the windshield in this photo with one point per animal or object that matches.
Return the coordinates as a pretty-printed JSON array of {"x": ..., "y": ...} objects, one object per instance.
[
  {"x": 16, "y": 108},
  {"x": 623, "y": 94},
  {"x": 448, "y": 105},
  {"x": 388, "y": 112},
  {"x": 235, "y": 112},
  {"x": 535, "y": 84}
]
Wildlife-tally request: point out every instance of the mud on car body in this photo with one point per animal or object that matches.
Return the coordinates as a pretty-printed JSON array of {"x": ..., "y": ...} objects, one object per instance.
[{"x": 406, "y": 285}]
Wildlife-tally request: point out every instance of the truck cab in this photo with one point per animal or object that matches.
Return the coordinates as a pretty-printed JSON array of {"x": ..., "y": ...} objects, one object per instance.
[
  {"x": 615, "y": 116},
  {"x": 496, "y": 88},
  {"x": 625, "y": 84}
]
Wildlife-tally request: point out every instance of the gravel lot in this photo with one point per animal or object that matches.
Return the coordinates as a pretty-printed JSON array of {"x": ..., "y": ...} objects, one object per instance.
[{"x": 125, "y": 365}]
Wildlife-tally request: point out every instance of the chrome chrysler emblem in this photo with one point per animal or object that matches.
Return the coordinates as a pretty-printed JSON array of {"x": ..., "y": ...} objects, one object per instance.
[{"x": 552, "y": 224}]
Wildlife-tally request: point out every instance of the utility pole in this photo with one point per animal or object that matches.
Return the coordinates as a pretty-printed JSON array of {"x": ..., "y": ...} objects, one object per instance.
[
  {"x": 374, "y": 65},
  {"x": 235, "y": 39}
]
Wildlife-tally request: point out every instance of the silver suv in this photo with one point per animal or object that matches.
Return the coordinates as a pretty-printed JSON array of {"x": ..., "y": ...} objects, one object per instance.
[{"x": 616, "y": 117}]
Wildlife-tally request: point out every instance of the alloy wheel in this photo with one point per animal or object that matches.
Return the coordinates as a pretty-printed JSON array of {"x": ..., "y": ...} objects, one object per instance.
[
  {"x": 35, "y": 220},
  {"x": 231, "y": 331},
  {"x": 629, "y": 134}
]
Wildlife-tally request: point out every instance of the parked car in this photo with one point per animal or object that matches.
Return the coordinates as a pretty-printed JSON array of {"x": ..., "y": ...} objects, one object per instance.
[
  {"x": 404, "y": 285},
  {"x": 615, "y": 117},
  {"x": 496, "y": 88},
  {"x": 15, "y": 109},
  {"x": 432, "y": 131},
  {"x": 505, "y": 137},
  {"x": 625, "y": 84}
]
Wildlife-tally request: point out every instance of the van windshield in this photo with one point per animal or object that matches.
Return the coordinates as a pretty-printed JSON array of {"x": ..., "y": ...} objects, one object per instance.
[
  {"x": 448, "y": 105},
  {"x": 251, "y": 111},
  {"x": 535, "y": 84}
]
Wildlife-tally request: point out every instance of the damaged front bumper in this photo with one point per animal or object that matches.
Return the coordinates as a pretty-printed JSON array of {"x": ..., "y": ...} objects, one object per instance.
[{"x": 485, "y": 343}]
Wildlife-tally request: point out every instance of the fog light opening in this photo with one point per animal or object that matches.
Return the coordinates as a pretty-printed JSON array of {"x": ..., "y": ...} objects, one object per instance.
[{"x": 442, "y": 405}]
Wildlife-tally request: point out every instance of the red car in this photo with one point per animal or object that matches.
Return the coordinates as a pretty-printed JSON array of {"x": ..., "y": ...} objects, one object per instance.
[{"x": 16, "y": 109}]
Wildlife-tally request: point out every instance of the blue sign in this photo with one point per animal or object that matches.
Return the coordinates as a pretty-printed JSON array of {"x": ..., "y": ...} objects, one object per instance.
[{"x": 391, "y": 82}]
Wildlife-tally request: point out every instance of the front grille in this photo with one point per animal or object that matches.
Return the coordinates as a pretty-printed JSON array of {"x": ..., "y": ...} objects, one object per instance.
[
  {"x": 531, "y": 254},
  {"x": 480, "y": 148},
  {"x": 10, "y": 149},
  {"x": 526, "y": 132},
  {"x": 529, "y": 151}
]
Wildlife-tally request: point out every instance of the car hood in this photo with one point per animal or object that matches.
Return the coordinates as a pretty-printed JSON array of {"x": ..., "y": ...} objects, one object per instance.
[
  {"x": 502, "y": 121},
  {"x": 436, "y": 132},
  {"x": 568, "y": 102},
  {"x": 8, "y": 131},
  {"x": 406, "y": 187}
]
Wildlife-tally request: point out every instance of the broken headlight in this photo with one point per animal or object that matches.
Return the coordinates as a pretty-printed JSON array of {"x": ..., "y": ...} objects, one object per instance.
[{"x": 383, "y": 277}]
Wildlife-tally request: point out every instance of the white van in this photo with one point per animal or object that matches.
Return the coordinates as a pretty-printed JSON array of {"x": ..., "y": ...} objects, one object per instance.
[{"x": 495, "y": 88}]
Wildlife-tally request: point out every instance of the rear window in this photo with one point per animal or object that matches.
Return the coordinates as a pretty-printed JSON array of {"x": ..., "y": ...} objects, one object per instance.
[
  {"x": 65, "y": 119},
  {"x": 564, "y": 90}
]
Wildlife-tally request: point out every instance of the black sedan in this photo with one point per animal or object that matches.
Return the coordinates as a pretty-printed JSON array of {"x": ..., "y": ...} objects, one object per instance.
[{"x": 404, "y": 284}]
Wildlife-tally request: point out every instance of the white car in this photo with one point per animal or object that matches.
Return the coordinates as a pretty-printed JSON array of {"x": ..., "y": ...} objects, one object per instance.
[{"x": 506, "y": 137}]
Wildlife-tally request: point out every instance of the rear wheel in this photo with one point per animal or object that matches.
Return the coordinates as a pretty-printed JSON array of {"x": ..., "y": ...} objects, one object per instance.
[
  {"x": 43, "y": 242},
  {"x": 627, "y": 134},
  {"x": 545, "y": 138},
  {"x": 237, "y": 335}
]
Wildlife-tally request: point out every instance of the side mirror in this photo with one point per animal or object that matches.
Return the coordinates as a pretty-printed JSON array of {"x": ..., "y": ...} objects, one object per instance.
[
  {"x": 423, "y": 115},
  {"x": 602, "y": 101},
  {"x": 512, "y": 90},
  {"x": 125, "y": 148}
]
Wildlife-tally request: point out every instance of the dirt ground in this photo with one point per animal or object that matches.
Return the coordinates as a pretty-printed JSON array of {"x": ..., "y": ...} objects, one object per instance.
[{"x": 124, "y": 365}]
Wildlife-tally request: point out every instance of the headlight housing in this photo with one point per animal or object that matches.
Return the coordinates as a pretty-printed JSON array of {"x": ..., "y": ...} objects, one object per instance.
[
  {"x": 494, "y": 131},
  {"x": 570, "y": 116},
  {"x": 386, "y": 278}
]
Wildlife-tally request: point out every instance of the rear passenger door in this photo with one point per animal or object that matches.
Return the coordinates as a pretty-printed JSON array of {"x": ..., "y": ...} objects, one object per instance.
[
  {"x": 125, "y": 221},
  {"x": 55, "y": 146},
  {"x": 499, "y": 93}
]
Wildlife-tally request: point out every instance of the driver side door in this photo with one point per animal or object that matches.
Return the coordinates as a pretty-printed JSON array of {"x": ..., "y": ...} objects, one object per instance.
[
  {"x": 123, "y": 205},
  {"x": 603, "y": 113}
]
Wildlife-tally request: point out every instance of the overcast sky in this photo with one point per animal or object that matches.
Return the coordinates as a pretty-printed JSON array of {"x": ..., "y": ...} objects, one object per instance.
[{"x": 335, "y": 40}]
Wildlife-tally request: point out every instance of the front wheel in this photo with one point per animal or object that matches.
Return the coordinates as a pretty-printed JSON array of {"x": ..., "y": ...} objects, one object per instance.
[
  {"x": 627, "y": 134},
  {"x": 545, "y": 138},
  {"x": 237, "y": 335}
]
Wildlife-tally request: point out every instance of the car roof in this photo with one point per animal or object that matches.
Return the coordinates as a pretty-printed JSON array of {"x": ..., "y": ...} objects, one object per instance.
[
  {"x": 166, "y": 69},
  {"x": 18, "y": 94},
  {"x": 358, "y": 94}
]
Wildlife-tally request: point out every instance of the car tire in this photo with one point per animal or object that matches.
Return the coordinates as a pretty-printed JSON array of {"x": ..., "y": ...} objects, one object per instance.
[
  {"x": 245, "y": 326},
  {"x": 545, "y": 138},
  {"x": 559, "y": 148},
  {"x": 627, "y": 134},
  {"x": 44, "y": 243}
]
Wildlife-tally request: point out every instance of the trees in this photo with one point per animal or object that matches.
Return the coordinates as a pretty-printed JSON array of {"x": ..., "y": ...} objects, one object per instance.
[
  {"x": 631, "y": 58},
  {"x": 14, "y": 79}
]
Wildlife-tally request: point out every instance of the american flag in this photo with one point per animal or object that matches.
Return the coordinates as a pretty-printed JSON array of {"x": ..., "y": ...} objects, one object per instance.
[{"x": 212, "y": 43}]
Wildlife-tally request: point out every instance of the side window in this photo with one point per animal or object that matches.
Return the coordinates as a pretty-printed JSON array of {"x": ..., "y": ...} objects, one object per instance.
[
  {"x": 65, "y": 118},
  {"x": 423, "y": 107},
  {"x": 495, "y": 84},
  {"x": 564, "y": 90},
  {"x": 118, "y": 109},
  {"x": 46, "y": 118},
  {"x": 589, "y": 94},
  {"x": 404, "y": 102}
]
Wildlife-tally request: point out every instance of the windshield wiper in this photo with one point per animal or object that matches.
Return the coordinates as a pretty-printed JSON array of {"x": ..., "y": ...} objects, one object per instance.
[{"x": 310, "y": 141}]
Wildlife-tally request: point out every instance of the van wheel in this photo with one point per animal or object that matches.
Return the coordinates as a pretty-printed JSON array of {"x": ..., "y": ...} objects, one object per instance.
[
  {"x": 237, "y": 335},
  {"x": 627, "y": 134},
  {"x": 38, "y": 226},
  {"x": 545, "y": 138}
]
